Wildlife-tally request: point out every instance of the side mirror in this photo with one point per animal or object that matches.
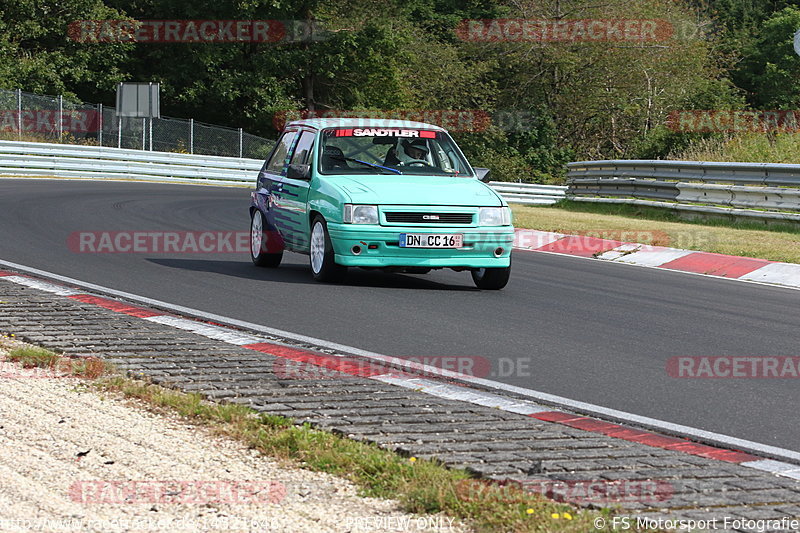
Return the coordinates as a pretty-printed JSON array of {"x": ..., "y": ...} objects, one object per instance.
[
  {"x": 482, "y": 173},
  {"x": 298, "y": 172}
]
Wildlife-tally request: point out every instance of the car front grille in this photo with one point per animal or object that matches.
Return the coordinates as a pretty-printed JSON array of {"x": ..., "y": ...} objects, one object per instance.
[{"x": 428, "y": 218}]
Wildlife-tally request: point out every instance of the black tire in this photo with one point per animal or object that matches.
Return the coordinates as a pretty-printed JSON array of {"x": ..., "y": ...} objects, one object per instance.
[
  {"x": 491, "y": 279},
  {"x": 323, "y": 267},
  {"x": 258, "y": 243}
]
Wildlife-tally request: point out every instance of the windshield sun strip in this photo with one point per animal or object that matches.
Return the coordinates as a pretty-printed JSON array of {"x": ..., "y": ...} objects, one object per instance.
[{"x": 331, "y": 132}]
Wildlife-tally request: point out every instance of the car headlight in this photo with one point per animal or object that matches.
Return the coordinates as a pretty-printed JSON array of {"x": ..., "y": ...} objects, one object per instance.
[
  {"x": 360, "y": 214},
  {"x": 494, "y": 216}
]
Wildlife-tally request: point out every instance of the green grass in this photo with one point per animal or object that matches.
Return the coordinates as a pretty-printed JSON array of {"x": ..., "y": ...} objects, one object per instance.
[
  {"x": 661, "y": 227},
  {"x": 35, "y": 357},
  {"x": 66, "y": 138}
]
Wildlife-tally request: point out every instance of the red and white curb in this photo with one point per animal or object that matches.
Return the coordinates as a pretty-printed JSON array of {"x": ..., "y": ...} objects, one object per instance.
[
  {"x": 438, "y": 382},
  {"x": 718, "y": 265}
]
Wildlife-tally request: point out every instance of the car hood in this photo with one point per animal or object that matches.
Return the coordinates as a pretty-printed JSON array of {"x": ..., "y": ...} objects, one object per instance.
[{"x": 418, "y": 190}]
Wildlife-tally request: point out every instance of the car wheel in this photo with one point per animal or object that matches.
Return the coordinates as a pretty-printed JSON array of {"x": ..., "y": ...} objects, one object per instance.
[
  {"x": 491, "y": 278},
  {"x": 321, "y": 255},
  {"x": 258, "y": 244}
]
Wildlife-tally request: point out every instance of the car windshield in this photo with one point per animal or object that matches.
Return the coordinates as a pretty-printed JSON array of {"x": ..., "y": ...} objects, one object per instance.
[{"x": 391, "y": 151}]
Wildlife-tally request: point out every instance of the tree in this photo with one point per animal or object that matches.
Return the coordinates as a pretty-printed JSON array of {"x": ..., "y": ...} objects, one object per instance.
[
  {"x": 770, "y": 70},
  {"x": 37, "y": 54},
  {"x": 607, "y": 96}
]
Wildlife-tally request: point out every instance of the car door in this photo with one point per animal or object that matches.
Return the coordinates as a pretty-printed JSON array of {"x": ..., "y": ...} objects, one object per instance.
[
  {"x": 292, "y": 195},
  {"x": 270, "y": 186}
]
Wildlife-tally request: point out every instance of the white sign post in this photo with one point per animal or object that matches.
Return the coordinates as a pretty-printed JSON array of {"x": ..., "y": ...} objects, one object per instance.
[
  {"x": 797, "y": 42},
  {"x": 139, "y": 100}
]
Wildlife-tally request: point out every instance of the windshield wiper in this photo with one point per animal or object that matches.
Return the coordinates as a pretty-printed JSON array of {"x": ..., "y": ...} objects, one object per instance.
[{"x": 373, "y": 165}]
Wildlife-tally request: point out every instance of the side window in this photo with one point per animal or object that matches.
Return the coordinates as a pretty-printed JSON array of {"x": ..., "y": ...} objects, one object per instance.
[
  {"x": 278, "y": 159},
  {"x": 303, "y": 149}
]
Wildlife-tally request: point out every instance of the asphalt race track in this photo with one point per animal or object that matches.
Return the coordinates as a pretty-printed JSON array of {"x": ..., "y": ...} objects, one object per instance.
[{"x": 588, "y": 330}]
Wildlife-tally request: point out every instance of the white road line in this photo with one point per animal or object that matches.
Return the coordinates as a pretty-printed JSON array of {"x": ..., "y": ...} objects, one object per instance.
[
  {"x": 533, "y": 239},
  {"x": 775, "y": 467},
  {"x": 454, "y": 392},
  {"x": 782, "y": 273},
  {"x": 615, "y": 415},
  {"x": 41, "y": 285},
  {"x": 207, "y": 330},
  {"x": 621, "y": 251},
  {"x": 653, "y": 256}
]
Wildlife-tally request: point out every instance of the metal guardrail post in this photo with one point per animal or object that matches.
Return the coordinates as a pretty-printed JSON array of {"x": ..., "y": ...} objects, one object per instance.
[
  {"x": 119, "y": 132},
  {"x": 191, "y": 135},
  {"x": 151, "y": 134},
  {"x": 144, "y": 132},
  {"x": 60, "y": 117},
  {"x": 100, "y": 124},
  {"x": 19, "y": 113},
  {"x": 241, "y": 139}
]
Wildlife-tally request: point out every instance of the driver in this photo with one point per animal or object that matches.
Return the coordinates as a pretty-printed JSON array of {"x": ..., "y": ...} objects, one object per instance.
[{"x": 412, "y": 151}]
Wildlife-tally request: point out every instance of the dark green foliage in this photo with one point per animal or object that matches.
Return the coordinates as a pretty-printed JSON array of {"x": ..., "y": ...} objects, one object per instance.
[{"x": 587, "y": 100}]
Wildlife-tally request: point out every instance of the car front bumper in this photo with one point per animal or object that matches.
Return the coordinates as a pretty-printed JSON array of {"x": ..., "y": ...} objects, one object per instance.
[{"x": 480, "y": 245}]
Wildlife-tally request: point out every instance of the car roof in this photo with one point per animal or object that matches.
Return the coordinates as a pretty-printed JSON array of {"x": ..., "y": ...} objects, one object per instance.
[{"x": 320, "y": 123}]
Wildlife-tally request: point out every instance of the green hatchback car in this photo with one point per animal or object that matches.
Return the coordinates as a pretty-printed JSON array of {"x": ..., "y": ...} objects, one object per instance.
[{"x": 372, "y": 193}]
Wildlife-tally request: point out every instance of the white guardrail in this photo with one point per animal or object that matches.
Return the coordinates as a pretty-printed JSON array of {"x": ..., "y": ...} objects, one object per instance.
[
  {"x": 529, "y": 193},
  {"x": 78, "y": 161},
  {"x": 756, "y": 190}
]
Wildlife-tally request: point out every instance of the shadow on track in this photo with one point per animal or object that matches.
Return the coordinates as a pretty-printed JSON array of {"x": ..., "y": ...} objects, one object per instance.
[{"x": 295, "y": 273}]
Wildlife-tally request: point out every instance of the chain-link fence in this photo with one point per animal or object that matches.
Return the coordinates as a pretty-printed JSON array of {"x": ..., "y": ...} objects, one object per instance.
[{"x": 31, "y": 117}]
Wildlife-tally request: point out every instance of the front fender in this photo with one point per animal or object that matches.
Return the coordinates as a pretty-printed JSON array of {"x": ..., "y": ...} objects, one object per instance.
[
  {"x": 258, "y": 201},
  {"x": 327, "y": 199}
]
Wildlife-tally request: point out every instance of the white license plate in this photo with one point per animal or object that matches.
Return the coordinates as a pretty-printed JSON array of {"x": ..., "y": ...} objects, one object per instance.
[{"x": 431, "y": 240}]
